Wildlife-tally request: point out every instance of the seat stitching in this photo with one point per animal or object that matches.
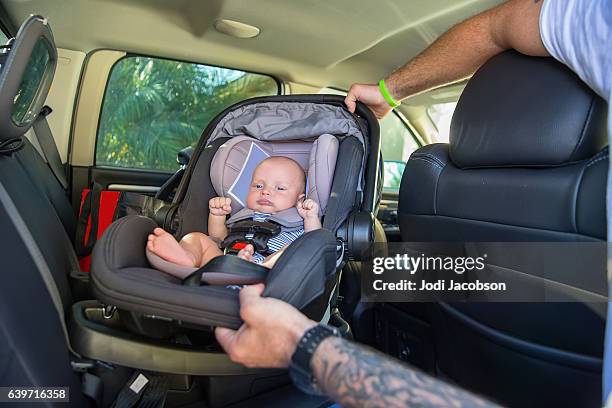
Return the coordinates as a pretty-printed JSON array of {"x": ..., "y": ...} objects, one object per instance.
[
  {"x": 427, "y": 160},
  {"x": 429, "y": 156},
  {"x": 595, "y": 160}
]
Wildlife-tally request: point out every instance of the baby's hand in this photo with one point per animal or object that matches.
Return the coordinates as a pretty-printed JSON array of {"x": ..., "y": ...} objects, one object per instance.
[
  {"x": 308, "y": 208},
  {"x": 220, "y": 206}
]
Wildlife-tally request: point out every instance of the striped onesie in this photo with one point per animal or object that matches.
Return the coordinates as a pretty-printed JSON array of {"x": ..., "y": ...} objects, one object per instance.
[{"x": 277, "y": 242}]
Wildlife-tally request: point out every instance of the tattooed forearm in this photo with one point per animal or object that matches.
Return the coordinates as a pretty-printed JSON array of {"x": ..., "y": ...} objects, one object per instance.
[{"x": 357, "y": 376}]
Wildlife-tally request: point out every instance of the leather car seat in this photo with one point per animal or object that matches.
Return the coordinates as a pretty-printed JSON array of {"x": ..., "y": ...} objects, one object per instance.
[{"x": 526, "y": 162}]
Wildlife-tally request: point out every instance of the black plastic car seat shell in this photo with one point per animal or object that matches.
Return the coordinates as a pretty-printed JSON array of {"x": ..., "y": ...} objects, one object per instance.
[{"x": 306, "y": 272}]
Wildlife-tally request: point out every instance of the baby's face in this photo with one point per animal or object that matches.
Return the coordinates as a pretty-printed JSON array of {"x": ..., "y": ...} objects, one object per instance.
[{"x": 277, "y": 185}]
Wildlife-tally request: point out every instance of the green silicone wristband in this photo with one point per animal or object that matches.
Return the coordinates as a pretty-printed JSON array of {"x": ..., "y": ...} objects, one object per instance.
[{"x": 385, "y": 93}]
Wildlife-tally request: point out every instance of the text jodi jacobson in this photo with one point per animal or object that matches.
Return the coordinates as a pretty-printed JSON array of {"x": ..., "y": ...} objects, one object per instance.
[
  {"x": 440, "y": 285},
  {"x": 405, "y": 263}
]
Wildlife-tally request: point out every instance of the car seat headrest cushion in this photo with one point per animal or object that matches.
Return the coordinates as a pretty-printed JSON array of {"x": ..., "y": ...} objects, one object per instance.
[{"x": 505, "y": 117}]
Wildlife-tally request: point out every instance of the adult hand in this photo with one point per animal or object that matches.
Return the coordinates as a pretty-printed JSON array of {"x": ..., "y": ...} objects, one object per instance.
[
  {"x": 270, "y": 333},
  {"x": 369, "y": 95}
]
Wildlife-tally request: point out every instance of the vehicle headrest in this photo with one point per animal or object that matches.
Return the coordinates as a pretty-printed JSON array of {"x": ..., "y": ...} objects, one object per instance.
[
  {"x": 526, "y": 111},
  {"x": 232, "y": 167},
  {"x": 26, "y": 76}
]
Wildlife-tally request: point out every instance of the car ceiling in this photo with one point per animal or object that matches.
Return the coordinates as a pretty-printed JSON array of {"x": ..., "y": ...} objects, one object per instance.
[{"x": 313, "y": 42}]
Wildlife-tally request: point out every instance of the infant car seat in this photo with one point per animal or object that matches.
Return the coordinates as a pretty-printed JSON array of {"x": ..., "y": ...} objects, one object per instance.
[{"x": 339, "y": 152}]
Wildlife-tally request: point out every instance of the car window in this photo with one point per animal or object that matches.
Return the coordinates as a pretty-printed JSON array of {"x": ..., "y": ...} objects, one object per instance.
[
  {"x": 3, "y": 38},
  {"x": 397, "y": 144},
  {"x": 441, "y": 115},
  {"x": 155, "y": 107}
]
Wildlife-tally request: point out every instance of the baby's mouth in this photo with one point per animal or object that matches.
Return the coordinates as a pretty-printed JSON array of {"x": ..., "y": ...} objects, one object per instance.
[{"x": 264, "y": 202}]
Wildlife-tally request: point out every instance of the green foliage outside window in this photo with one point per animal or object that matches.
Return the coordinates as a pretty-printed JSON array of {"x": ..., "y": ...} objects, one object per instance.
[{"x": 154, "y": 107}]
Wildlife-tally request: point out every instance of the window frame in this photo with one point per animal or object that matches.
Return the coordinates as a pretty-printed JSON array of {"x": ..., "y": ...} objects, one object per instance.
[{"x": 279, "y": 91}]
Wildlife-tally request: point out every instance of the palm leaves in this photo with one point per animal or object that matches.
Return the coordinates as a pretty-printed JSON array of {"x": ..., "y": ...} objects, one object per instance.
[{"x": 153, "y": 108}]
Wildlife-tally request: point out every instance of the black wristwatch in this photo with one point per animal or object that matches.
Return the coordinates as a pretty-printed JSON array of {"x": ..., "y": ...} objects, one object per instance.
[{"x": 300, "y": 370}]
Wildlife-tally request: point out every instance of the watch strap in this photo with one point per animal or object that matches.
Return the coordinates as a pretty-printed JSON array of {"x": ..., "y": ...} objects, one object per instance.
[{"x": 300, "y": 370}]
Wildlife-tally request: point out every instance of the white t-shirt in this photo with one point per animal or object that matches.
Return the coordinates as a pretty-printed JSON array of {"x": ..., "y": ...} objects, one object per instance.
[{"x": 579, "y": 34}]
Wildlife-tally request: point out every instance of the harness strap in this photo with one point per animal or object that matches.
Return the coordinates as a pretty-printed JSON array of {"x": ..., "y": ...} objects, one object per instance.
[{"x": 256, "y": 233}]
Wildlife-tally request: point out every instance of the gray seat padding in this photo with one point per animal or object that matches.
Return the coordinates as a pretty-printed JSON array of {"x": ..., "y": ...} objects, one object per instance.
[
  {"x": 526, "y": 162},
  {"x": 317, "y": 158}
]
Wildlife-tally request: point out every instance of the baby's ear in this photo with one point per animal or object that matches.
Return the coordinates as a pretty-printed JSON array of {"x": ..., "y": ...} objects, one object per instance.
[{"x": 301, "y": 197}]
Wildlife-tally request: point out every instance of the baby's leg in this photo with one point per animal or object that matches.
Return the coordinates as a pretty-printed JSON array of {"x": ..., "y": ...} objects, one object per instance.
[
  {"x": 201, "y": 247},
  {"x": 270, "y": 260},
  {"x": 163, "y": 244}
]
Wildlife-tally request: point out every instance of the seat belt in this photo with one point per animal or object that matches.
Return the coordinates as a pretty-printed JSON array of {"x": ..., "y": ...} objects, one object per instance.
[{"x": 48, "y": 146}]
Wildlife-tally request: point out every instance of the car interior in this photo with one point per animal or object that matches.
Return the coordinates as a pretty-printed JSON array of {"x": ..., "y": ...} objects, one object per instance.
[{"x": 124, "y": 115}]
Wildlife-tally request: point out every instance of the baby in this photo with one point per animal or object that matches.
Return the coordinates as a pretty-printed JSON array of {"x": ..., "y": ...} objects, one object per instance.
[{"x": 278, "y": 184}]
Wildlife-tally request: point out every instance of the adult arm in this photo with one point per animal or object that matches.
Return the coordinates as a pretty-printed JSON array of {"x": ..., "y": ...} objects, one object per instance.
[
  {"x": 458, "y": 53},
  {"x": 351, "y": 374},
  {"x": 357, "y": 376}
]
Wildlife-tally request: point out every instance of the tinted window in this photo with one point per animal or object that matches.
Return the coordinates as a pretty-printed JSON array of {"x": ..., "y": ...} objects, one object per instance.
[{"x": 155, "y": 107}]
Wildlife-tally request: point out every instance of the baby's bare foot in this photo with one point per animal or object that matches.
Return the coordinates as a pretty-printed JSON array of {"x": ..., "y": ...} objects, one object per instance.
[
  {"x": 246, "y": 253},
  {"x": 166, "y": 247}
]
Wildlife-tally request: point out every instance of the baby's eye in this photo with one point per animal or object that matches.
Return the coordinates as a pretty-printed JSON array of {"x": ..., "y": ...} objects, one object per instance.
[
  {"x": 258, "y": 186},
  {"x": 280, "y": 188}
]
